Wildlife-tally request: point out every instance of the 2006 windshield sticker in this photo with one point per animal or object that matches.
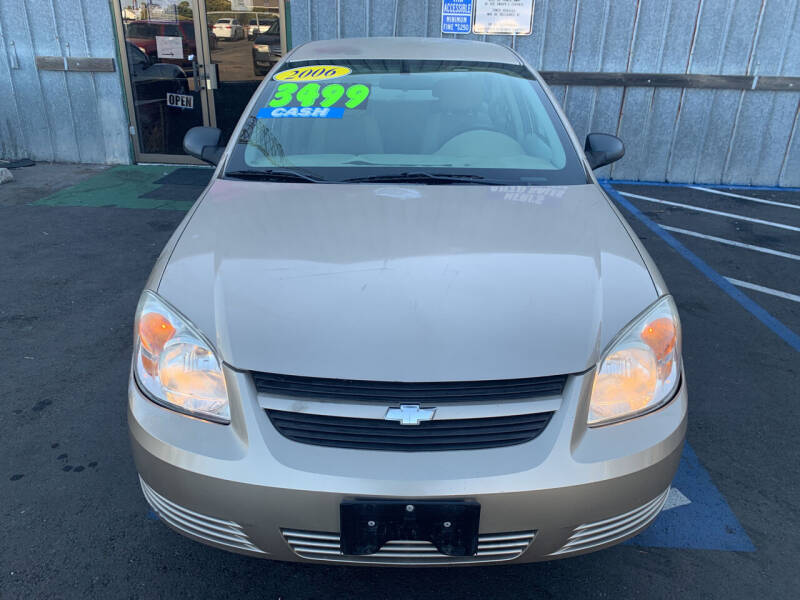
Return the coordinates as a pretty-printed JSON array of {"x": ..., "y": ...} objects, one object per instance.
[
  {"x": 312, "y": 73},
  {"x": 314, "y": 100}
]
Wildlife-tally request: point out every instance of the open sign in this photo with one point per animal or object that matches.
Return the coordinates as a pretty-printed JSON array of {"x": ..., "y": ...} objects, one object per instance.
[{"x": 180, "y": 100}]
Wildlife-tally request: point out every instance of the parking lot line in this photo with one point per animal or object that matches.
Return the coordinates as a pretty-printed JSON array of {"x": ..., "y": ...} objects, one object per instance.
[
  {"x": 727, "y": 186},
  {"x": 710, "y": 211},
  {"x": 750, "y": 198},
  {"x": 720, "y": 240},
  {"x": 755, "y": 309},
  {"x": 765, "y": 290}
]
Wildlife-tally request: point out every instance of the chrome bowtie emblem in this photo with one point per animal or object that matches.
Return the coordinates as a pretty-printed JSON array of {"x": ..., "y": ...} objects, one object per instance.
[{"x": 410, "y": 414}]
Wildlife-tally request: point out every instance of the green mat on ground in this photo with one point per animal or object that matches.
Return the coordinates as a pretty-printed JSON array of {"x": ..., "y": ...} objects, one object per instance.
[{"x": 122, "y": 187}]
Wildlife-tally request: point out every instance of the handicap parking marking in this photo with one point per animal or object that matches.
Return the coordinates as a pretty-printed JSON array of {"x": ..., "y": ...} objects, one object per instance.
[
  {"x": 764, "y": 290},
  {"x": 675, "y": 498},
  {"x": 734, "y": 243},
  {"x": 724, "y": 186},
  {"x": 755, "y": 309},
  {"x": 743, "y": 197},
  {"x": 695, "y": 514},
  {"x": 711, "y": 211}
]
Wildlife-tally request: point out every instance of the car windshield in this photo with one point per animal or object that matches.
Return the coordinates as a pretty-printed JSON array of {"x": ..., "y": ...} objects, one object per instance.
[
  {"x": 432, "y": 121},
  {"x": 224, "y": 21}
]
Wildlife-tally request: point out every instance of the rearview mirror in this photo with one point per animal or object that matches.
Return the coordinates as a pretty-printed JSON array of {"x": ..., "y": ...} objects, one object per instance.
[
  {"x": 203, "y": 143},
  {"x": 603, "y": 149}
]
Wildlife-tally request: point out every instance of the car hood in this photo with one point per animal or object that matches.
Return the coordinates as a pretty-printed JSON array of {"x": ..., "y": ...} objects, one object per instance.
[{"x": 407, "y": 283}]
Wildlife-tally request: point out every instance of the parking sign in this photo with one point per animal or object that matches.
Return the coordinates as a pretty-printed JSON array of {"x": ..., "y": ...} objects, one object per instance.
[
  {"x": 456, "y": 16},
  {"x": 504, "y": 17}
]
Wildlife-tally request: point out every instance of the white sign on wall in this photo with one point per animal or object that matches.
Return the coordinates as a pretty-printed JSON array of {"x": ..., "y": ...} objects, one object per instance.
[
  {"x": 242, "y": 5},
  {"x": 503, "y": 17},
  {"x": 169, "y": 46}
]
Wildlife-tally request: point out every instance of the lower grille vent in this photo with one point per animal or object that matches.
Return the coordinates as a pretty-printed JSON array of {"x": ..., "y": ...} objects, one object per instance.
[
  {"x": 325, "y": 546},
  {"x": 592, "y": 535},
  {"x": 203, "y": 527}
]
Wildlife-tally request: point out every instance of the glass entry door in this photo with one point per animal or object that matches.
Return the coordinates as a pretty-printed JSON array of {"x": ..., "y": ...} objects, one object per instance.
[
  {"x": 192, "y": 62},
  {"x": 160, "y": 50},
  {"x": 247, "y": 41}
]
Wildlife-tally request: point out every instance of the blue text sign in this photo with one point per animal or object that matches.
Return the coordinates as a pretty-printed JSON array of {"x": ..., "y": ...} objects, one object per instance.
[
  {"x": 456, "y": 16},
  {"x": 296, "y": 112}
]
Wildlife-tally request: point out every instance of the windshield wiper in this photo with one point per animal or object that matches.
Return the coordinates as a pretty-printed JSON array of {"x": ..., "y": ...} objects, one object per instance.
[
  {"x": 274, "y": 175},
  {"x": 419, "y": 177},
  {"x": 406, "y": 177},
  {"x": 368, "y": 163}
]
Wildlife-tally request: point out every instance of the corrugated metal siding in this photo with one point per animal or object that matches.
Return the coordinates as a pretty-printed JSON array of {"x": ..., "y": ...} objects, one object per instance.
[
  {"x": 710, "y": 136},
  {"x": 55, "y": 115}
]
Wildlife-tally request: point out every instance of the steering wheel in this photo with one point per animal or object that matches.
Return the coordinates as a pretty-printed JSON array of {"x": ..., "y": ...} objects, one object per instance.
[{"x": 475, "y": 130}]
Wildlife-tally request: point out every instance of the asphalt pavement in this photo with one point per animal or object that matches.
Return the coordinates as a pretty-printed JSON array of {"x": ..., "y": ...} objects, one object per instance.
[
  {"x": 74, "y": 522},
  {"x": 235, "y": 60}
]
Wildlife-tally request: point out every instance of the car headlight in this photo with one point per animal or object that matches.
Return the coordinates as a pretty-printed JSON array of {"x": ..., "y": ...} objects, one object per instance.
[
  {"x": 640, "y": 369},
  {"x": 175, "y": 365}
]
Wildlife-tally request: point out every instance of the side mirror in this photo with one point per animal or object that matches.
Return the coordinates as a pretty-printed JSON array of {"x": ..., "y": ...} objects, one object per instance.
[
  {"x": 603, "y": 149},
  {"x": 203, "y": 143}
]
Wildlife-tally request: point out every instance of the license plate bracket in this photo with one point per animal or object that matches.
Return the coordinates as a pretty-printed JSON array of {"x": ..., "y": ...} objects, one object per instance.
[{"x": 366, "y": 525}]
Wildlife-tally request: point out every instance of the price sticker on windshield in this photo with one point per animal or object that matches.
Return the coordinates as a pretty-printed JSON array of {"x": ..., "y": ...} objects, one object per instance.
[{"x": 333, "y": 96}]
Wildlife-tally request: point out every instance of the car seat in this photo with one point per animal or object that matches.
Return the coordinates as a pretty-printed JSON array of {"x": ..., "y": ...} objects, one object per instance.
[
  {"x": 356, "y": 130},
  {"x": 461, "y": 107}
]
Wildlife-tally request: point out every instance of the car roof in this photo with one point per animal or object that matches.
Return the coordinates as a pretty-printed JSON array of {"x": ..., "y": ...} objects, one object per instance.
[{"x": 405, "y": 48}]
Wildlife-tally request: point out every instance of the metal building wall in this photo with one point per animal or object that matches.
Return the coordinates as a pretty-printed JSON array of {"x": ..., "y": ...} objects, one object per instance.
[
  {"x": 671, "y": 134},
  {"x": 63, "y": 116}
]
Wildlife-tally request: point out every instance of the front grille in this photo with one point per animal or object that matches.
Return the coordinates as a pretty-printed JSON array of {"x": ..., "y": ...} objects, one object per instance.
[
  {"x": 202, "y": 527},
  {"x": 325, "y": 546},
  {"x": 376, "y": 434},
  {"x": 599, "y": 533},
  {"x": 401, "y": 391}
]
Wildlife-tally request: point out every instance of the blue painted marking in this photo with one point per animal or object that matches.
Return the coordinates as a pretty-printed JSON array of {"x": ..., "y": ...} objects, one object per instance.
[
  {"x": 456, "y": 16},
  {"x": 777, "y": 327},
  {"x": 706, "y": 524},
  {"x": 151, "y": 514},
  {"x": 729, "y": 186},
  {"x": 305, "y": 112}
]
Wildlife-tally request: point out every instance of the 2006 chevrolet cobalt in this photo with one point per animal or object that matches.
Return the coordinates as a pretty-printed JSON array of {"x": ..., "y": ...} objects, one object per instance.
[{"x": 403, "y": 325}]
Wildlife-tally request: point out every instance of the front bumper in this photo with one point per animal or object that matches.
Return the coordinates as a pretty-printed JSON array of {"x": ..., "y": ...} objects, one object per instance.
[{"x": 245, "y": 488}]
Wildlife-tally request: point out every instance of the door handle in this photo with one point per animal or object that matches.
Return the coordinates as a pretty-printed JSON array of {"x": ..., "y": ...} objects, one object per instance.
[
  {"x": 210, "y": 76},
  {"x": 195, "y": 67}
]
